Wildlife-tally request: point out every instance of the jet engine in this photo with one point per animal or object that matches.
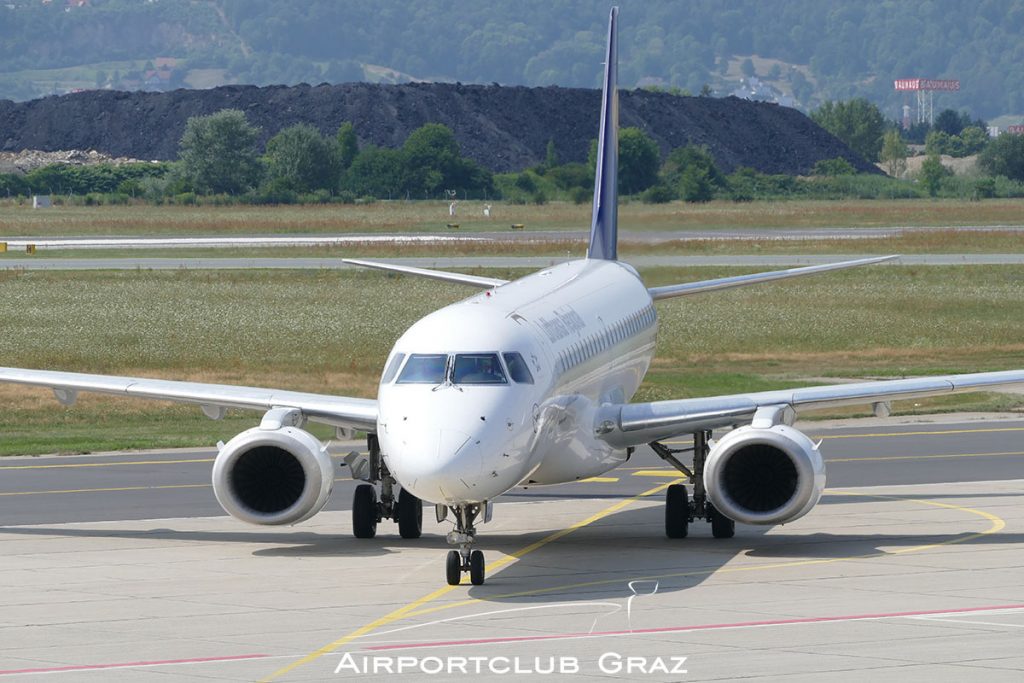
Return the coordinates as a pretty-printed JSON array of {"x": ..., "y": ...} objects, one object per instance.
[
  {"x": 273, "y": 476},
  {"x": 768, "y": 475}
]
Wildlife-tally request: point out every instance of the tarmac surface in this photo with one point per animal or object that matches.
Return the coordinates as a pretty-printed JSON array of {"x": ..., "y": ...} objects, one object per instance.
[
  {"x": 122, "y": 567},
  {"x": 47, "y": 243}
]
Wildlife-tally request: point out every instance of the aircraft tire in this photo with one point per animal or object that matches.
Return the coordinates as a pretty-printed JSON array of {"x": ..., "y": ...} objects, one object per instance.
[
  {"x": 410, "y": 515},
  {"x": 453, "y": 568},
  {"x": 364, "y": 511},
  {"x": 476, "y": 568},
  {"x": 677, "y": 511},
  {"x": 721, "y": 526}
]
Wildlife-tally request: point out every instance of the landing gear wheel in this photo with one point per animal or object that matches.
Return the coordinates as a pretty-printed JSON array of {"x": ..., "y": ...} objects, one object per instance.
[
  {"x": 364, "y": 511},
  {"x": 410, "y": 515},
  {"x": 453, "y": 568},
  {"x": 476, "y": 568},
  {"x": 721, "y": 526},
  {"x": 677, "y": 511}
]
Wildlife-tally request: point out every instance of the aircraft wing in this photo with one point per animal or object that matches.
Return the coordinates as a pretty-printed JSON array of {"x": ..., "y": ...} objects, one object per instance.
[
  {"x": 357, "y": 413},
  {"x": 474, "y": 280},
  {"x": 632, "y": 424}
]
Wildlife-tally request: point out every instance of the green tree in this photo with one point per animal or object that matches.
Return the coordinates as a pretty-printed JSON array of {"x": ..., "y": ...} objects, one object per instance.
[
  {"x": 639, "y": 159},
  {"x": 430, "y": 159},
  {"x": 348, "y": 145},
  {"x": 12, "y": 184},
  {"x": 375, "y": 172},
  {"x": 938, "y": 142},
  {"x": 974, "y": 139},
  {"x": 695, "y": 185},
  {"x": 950, "y": 122},
  {"x": 932, "y": 173},
  {"x": 858, "y": 123},
  {"x": 834, "y": 167},
  {"x": 301, "y": 160},
  {"x": 683, "y": 158},
  {"x": 550, "y": 155},
  {"x": 747, "y": 67},
  {"x": 218, "y": 153},
  {"x": 894, "y": 154},
  {"x": 573, "y": 174},
  {"x": 802, "y": 88},
  {"x": 1004, "y": 156},
  {"x": 432, "y": 162}
]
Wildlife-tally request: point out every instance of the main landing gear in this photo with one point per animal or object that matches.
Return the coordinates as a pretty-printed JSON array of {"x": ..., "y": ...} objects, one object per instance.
[
  {"x": 680, "y": 510},
  {"x": 465, "y": 559},
  {"x": 368, "y": 510}
]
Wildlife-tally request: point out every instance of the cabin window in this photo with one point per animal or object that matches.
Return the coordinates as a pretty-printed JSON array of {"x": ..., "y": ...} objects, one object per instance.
[
  {"x": 517, "y": 368},
  {"x": 424, "y": 368},
  {"x": 478, "y": 368},
  {"x": 392, "y": 369}
]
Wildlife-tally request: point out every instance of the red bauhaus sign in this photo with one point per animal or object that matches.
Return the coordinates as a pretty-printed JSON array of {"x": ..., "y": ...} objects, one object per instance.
[{"x": 925, "y": 84}]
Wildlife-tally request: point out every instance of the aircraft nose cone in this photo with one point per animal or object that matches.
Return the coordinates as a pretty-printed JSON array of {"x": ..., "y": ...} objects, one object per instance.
[{"x": 444, "y": 468}]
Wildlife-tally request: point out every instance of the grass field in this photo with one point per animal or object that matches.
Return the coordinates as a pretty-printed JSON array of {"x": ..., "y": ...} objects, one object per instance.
[
  {"x": 324, "y": 331},
  {"x": 433, "y": 217}
]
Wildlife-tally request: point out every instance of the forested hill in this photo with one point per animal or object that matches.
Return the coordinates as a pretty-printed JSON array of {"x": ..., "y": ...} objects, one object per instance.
[
  {"x": 809, "y": 49},
  {"x": 502, "y": 128}
]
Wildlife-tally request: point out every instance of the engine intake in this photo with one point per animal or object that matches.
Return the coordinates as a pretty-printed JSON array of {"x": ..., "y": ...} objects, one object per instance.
[
  {"x": 764, "y": 475},
  {"x": 273, "y": 476}
]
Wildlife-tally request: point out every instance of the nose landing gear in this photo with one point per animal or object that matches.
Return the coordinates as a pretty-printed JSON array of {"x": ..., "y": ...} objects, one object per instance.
[{"x": 465, "y": 559}]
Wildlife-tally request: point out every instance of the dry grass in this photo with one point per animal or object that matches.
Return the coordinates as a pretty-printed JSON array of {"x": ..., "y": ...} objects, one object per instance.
[
  {"x": 433, "y": 217},
  {"x": 325, "y": 332}
]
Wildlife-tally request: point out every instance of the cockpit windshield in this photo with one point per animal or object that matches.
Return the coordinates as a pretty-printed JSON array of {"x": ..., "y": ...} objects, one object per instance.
[
  {"x": 458, "y": 369},
  {"x": 424, "y": 368},
  {"x": 477, "y": 368}
]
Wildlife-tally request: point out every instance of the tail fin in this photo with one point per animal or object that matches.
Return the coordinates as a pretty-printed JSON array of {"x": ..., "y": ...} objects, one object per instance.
[{"x": 604, "y": 227}]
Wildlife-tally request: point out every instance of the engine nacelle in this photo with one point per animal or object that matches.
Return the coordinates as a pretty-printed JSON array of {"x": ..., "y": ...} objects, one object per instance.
[
  {"x": 764, "y": 475},
  {"x": 273, "y": 476}
]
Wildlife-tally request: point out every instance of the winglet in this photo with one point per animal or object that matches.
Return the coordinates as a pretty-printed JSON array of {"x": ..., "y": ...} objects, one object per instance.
[{"x": 604, "y": 225}]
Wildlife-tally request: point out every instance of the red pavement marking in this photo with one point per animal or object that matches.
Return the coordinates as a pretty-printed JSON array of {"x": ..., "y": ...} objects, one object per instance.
[
  {"x": 700, "y": 627},
  {"x": 129, "y": 665}
]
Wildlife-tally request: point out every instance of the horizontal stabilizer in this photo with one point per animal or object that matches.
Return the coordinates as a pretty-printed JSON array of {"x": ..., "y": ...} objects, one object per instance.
[
  {"x": 474, "y": 280},
  {"x": 669, "y": 291}
]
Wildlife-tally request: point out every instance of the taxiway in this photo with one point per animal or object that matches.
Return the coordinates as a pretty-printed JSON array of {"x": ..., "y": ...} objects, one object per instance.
[{"x": 121, "y": 567}]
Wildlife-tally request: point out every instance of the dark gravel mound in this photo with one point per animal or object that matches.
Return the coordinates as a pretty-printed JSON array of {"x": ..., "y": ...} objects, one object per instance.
[{"x": 503, "y": 128}]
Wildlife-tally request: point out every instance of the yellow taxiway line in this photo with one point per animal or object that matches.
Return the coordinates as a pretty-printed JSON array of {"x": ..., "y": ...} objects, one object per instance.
[
  {"x": 412, "y": 607},
  {"x": 420, "y": 607}
]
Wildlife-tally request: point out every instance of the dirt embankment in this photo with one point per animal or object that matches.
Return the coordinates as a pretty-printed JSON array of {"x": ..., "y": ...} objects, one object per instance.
[
  {"x": 503, "y": 128},
  {"x": 31, "y": 159}
]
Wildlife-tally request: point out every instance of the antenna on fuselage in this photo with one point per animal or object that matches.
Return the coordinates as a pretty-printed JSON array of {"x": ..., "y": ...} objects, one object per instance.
[{"x": 604, "y": 226}]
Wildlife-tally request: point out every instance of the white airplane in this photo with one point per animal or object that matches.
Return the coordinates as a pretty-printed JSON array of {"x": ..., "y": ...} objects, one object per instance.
[{"x": 527, "y": 382}]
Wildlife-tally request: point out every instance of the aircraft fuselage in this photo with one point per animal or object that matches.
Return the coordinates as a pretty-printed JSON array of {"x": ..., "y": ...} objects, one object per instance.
[{"x": 585, "y": 331}]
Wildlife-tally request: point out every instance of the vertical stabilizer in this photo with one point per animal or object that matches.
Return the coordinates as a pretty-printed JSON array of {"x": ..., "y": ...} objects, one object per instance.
[{"x": 604, "y": 226}]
